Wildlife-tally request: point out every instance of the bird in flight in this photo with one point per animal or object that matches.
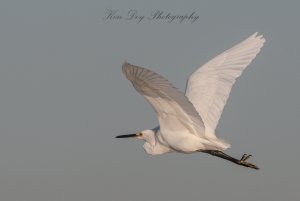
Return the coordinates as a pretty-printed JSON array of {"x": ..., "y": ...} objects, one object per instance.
[{"x": 187, "y": 122}]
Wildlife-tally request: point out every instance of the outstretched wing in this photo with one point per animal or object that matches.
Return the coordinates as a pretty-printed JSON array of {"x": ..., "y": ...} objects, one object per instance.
[
  {"x": 168, "y": 102},
  {"x": 208, "y": 87}
]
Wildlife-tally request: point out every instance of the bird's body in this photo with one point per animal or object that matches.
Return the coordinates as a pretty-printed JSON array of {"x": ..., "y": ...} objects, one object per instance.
[
  {"x": 181, "y": 140},
  {"x": 187, "y": 121}
]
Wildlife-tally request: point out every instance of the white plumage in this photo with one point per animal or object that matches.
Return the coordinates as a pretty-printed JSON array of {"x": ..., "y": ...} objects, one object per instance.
[
  {"x": 209, "y": 86},
  {"x": 187, "y": 122}
]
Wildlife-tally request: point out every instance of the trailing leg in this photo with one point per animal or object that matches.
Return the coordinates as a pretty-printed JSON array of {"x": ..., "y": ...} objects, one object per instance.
[{"x": 242, "y": 161}]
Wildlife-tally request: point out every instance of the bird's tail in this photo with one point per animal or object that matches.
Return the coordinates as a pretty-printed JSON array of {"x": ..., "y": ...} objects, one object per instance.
[{"x": 218, "y": 144}]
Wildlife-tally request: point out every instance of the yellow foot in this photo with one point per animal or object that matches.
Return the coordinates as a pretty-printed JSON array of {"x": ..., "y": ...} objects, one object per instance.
[{"x": 243, "y": 162}]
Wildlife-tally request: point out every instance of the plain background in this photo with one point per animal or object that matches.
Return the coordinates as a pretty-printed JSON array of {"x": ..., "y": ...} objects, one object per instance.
[{"x": 63, "y": 98}]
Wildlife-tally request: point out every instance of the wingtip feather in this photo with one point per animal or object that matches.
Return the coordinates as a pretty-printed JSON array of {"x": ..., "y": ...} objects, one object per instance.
[
  {"x": 125, "y": 68},
  {"x": 260, "y": 38}
]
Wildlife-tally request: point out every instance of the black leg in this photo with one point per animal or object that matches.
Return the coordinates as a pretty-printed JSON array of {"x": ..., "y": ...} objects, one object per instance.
[{"x": 242, "y": 161}]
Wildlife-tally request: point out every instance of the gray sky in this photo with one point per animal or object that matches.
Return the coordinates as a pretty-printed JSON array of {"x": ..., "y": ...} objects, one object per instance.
[{"x": 64, "y": 98}]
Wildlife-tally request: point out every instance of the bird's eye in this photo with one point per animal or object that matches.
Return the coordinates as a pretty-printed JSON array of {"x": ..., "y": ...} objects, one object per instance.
[{"x": 140, "y": 134}]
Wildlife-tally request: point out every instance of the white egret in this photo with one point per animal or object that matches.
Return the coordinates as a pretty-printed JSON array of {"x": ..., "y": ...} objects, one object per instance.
[{"x": 187, "y": 122}]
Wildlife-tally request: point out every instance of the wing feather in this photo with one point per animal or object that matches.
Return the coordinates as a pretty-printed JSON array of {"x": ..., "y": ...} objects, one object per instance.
[
  {"x": 166, "y": 100},
  {"x": 209, "y": 86}
]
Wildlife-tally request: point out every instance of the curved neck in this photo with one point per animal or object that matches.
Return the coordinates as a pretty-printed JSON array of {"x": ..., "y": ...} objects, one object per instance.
[
  {"x": 150, "y": 138},
  {"x": 153, "y": 146}
]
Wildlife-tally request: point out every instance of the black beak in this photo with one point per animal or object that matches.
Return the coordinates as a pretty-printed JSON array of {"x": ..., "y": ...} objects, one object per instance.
[{"x": 126, "y": 136}]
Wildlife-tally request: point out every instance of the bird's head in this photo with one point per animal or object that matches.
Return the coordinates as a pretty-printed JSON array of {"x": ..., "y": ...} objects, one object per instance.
[{"x": 147, "y": 135}]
